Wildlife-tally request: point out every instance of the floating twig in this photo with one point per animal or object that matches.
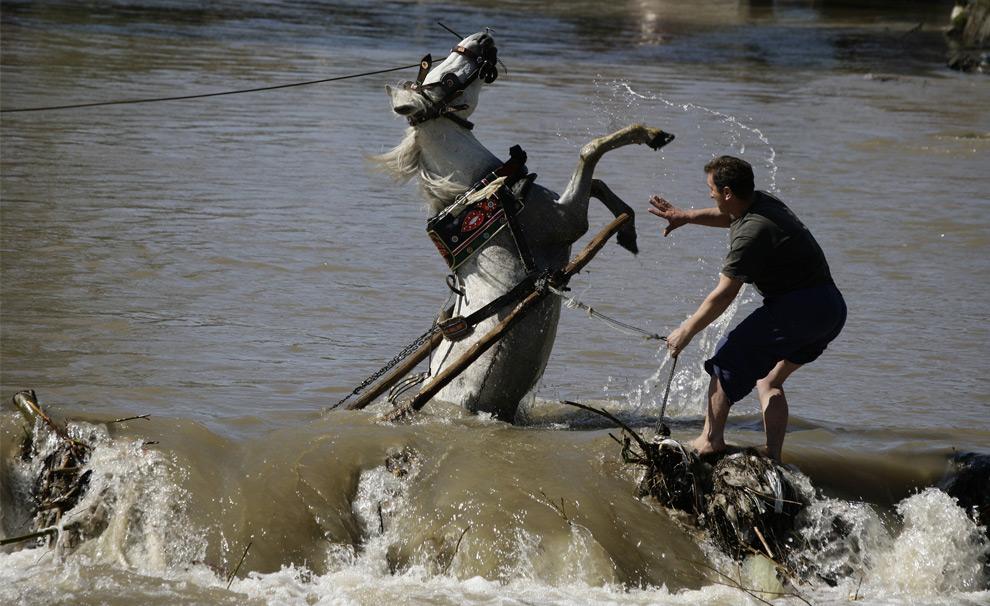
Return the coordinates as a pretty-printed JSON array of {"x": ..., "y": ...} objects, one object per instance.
[
  {"x": 912, "y": 30},
  {"x": 28, "y": 537},
  {"x": 856, "y": 596},
  {"x": 27, "y": 402},
  {"x": 230, "y": 579},
  {"x": 145, "y": 417},
  {"x": 457, "y": 547},
  {"x": 749, "y": 590},
  {"x": 560, "y": 509},
  {"x": 763, "y": 541},
  {"x": 599, "y": 411}
]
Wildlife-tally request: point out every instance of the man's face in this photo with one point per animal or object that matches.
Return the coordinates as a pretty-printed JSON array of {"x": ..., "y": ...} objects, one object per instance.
[{"x": 715, "y": 194}]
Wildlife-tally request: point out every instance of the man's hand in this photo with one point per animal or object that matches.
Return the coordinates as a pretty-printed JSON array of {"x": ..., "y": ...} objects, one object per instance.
[
  {"x": 678, "y": 340},
  {"x": 675, "y": 217}
]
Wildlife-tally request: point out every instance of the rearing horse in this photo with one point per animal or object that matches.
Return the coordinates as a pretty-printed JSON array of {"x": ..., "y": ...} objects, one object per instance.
[{"x": 440, "y": 149}]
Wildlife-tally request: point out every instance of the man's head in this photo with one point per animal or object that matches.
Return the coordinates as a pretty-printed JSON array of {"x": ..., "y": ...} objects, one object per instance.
[{"x": 730, "y": 184}]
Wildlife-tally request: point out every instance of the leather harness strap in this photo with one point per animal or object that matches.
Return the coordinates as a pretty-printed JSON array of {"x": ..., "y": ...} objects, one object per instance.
[
  {"x": 484, "y": 69},
  {"x": 458, "y": 327},
  {"x": 514, "y": 172}
]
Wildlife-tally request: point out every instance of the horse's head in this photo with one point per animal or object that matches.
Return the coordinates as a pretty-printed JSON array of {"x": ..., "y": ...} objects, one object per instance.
[{"x": 453, "y": 86}]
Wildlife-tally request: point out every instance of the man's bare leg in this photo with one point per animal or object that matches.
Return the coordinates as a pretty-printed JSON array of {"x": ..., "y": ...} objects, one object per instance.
[
  {"x": 712, "y": 438},
  {"x": 774, "y": 405}
]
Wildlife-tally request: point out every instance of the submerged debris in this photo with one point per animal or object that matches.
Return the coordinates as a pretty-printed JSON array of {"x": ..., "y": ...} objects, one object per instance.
[
  {"x": 752, "y": 507},
  {"x": 968, "y": 36},
  {"x": 744, "y": 501},
  {"x": 61, "y": 478},
  {"x": 969, "y": 482}
]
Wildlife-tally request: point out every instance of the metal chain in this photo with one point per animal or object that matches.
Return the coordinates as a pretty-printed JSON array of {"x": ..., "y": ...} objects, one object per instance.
[{"x": 399, "y": 357}]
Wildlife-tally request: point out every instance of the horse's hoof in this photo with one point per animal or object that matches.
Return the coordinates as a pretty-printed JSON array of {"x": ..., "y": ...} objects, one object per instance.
[
  {"x": 660, "y": 140},
  {"x": 628, "y": 242}
]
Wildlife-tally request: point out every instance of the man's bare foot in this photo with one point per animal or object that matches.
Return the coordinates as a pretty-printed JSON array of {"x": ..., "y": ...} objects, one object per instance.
[
  {"x": 765, "y": 452},
  {"x": 706, "y": 449}
]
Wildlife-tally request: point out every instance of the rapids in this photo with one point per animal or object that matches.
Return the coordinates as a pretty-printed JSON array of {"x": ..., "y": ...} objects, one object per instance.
[{"x": 485, "y": 511}]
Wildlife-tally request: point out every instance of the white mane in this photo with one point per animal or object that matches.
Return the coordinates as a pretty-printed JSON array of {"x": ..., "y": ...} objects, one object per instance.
[{"x": 405, "y": 161}]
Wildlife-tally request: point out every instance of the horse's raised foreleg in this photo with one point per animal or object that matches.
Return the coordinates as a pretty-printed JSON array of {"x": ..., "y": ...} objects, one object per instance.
[
  {"x": 627, "y": 233},
  {"x": 574, "y": 201}
]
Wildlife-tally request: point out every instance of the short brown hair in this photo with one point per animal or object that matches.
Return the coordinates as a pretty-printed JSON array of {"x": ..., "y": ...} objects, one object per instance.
[{"x": 734, "y": 173}]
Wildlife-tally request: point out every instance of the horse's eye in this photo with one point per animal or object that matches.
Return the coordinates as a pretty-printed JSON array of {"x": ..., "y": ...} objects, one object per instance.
[{"x": 450, "y": 80}]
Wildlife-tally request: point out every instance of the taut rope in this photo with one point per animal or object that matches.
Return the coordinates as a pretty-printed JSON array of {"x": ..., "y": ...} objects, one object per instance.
[
  {"x": 662, "y": 429},
  {"x": 204, "y": 95},
  {"x": 628, "y": 329}
]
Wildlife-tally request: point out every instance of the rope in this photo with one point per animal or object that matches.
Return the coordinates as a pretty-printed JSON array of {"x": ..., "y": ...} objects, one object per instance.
[
  {"x": 628, "y": 329},
  {"x": 204, "y": 95},
  {"x": 662, "y": 428}
]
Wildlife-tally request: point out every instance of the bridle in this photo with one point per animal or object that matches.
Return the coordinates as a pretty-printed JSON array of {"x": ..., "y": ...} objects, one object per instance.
[{"x": 484, "y": 68}]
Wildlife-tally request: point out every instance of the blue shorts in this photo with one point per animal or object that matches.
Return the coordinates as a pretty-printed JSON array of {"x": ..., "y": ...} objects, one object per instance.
[{"x": 794, "y": 326}]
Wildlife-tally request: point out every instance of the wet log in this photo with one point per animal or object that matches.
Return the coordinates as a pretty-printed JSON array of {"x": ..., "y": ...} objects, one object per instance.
[{"x": 521, "y": 309}]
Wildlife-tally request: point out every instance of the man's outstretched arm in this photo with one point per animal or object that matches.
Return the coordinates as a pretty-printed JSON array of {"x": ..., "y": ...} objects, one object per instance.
[
  {"x": 711, "y": 308},
  {"x": 676, "y": 217}
]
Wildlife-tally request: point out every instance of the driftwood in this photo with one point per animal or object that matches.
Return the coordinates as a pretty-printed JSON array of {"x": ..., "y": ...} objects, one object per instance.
[
  {"x": 522, "y": 308},
  {"x": 230, "y": 578},
  {"x": 62, "y": 479}
]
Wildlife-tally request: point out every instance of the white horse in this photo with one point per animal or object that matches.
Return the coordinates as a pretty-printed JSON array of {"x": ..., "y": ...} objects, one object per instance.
[{"x": 440, "y": 149}]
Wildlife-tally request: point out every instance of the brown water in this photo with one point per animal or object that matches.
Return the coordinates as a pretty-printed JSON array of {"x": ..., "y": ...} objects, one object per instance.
[{"x": 232, "y": 267}]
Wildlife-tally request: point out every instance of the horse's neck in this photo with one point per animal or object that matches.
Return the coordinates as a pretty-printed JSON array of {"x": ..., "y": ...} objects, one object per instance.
[{"x": 453, "y": 152}]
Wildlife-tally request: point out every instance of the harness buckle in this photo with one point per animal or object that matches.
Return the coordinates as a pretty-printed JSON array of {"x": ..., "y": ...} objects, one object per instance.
[{"x": 455, "y": 328}]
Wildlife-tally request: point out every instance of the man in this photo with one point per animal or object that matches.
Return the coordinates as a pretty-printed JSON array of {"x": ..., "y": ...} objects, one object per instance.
[{"x": 802, "y": 309}]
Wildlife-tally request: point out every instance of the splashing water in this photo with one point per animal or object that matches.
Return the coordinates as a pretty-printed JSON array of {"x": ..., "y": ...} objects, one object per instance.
[
  {"x": 737, "y": 130},
  {"x": 617, "y": 103},
  {"x": 939, "y": 549},
  {"x": 690, "y": 384}
]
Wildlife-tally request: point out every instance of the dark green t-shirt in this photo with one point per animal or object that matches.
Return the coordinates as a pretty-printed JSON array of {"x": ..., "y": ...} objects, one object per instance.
[{"x": 770, "y": 248}]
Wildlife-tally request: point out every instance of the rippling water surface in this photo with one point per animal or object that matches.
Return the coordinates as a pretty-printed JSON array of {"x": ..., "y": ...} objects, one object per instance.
[{"x": 232, "y": 267}]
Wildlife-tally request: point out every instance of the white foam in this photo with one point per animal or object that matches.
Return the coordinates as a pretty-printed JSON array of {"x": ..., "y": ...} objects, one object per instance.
[
  {"x": 940, "y": 549},
  {"x": 151, "y": 549}
]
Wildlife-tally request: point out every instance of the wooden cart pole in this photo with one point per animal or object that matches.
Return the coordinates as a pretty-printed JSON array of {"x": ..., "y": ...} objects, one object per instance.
[
  {"x": 486, "y": 342},
  {"x": 396, "y": 373}
]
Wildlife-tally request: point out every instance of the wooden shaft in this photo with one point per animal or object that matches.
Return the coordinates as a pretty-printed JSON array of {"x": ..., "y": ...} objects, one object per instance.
[
  {"x": 485, "y": 343},
  {"x": 396, "y": 373},
  {"x": 475, "y": 351}
]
